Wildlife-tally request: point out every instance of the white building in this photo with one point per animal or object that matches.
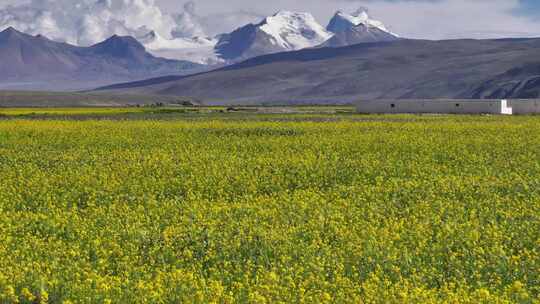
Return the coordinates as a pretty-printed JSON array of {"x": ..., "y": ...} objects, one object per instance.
[{"x": 450, "y": 106}]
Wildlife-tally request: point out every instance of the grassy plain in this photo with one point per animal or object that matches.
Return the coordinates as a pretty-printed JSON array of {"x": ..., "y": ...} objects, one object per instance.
[
  {"x": 34, "y": 99},
  {"x": 190, "y": 207}
]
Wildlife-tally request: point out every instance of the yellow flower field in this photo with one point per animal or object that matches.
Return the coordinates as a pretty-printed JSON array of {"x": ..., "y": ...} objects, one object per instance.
[{"x": 271, "y": 209}]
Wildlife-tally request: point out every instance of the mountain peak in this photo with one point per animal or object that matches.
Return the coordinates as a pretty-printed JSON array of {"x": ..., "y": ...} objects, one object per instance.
[
  {"x": 120, "y": 46},
  {"x": 11, "y": 31},
  {"x": 343, "y": 21},
  {"x": 123, "y": 41},
  {"x": 11, "y": 35},
  {"x": 356, "y": 28},
  {"x": 293, "y": 30}
]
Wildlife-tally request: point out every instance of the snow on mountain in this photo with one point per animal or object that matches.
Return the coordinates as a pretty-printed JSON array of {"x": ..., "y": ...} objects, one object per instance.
[
  {"x": 359, "y": 34},
  {"x": 188, "y": 23},
  {"x": 284, "y": 31},
  {"x": 281, "y": 32},
  {"x": 343, "y": 21},
  {"x": 294, "y": 31},
  {"x": 196, "y": 49},
  {"x": 355, "y": 29}
]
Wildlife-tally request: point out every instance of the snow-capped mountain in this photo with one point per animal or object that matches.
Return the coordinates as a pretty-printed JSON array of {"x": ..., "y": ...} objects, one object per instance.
[
  {"x": 281, "y": 32},
  {"x": 357, "y": 28},
  {"x": 343, "y": 21},
  {"x": 294, "y": 31},
  {"x": 284, "y": 31}
]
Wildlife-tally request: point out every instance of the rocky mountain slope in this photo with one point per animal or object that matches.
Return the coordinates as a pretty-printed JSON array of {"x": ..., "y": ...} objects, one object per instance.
[
  {"x": 518, "y": 82},
  {"x": 35, "y": 62},
  {"x": 396, "y": 69}
]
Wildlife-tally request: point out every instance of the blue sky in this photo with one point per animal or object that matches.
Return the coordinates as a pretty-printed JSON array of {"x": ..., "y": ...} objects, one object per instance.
[{"x": 530, "y": 8}]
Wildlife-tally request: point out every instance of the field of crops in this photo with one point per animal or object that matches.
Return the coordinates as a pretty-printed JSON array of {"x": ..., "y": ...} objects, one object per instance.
[{"x": 270, "y": 209}]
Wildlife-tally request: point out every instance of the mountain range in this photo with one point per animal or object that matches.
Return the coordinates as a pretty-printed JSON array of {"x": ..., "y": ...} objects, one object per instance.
[
  {"x": 281, "y": 32},
  {"x": 399, "y": 69},
  {"x": 286, "y": 58},
  {"x": 35, "y": 62}
]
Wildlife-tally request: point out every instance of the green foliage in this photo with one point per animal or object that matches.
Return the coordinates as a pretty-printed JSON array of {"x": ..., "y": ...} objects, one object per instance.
[{"x": 368, "y": 209}]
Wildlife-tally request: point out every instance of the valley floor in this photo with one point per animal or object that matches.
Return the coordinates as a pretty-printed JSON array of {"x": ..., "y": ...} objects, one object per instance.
[{"x": 321, "y": 205}]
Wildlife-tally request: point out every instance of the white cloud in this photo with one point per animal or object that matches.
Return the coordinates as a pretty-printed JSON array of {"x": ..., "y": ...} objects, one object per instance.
[
  {"x": 88, "y": 21},
  {"x": 220, "y": 23},
  {"x": 430, "y": 19},
  {"x": 188, "y": 23}
]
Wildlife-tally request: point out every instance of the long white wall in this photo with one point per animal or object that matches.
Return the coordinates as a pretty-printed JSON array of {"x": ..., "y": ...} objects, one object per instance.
[
  {"x": 466, "y": 106},
  {"x": 525, "y": 106}
]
